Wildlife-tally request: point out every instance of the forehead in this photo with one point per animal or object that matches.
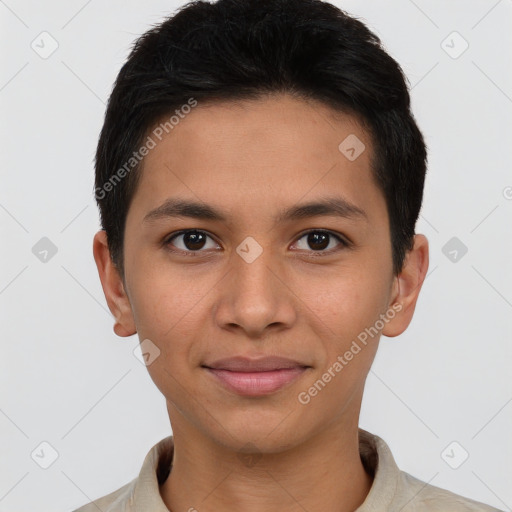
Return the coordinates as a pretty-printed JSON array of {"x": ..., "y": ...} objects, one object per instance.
[{"x": 263, "y": 153}]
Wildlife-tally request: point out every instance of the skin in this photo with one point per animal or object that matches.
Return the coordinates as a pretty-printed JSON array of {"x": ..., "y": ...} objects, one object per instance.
[{"x": 252, "y": 159}]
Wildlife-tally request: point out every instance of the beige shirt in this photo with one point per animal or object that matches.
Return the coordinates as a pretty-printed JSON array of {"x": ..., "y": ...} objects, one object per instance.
[{"x": 392, "y": 490}]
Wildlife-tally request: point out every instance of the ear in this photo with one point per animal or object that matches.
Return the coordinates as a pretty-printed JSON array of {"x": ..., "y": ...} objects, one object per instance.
[
  {"x": 113, "y": 287},
  {"x": 406, "y": 287}
]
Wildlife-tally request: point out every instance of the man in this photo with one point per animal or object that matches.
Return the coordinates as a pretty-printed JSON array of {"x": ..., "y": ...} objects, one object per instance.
[{"x": 259, "y": 176}]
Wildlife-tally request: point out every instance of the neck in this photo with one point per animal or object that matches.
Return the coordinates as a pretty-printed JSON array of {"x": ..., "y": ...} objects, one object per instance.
[{"x": 324, "y": 473}]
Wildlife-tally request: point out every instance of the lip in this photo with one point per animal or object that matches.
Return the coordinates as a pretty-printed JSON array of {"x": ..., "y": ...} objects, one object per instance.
[
  {"x": 255, "y": 377},
  {"x": 260, "y": 364}
]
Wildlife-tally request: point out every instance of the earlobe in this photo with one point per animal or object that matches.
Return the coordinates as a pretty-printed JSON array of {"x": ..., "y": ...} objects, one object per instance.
[
  {"x": 407, "y": 286},
  {"x": 121, "y": 330},
  {"x": 113, "y": 287}
]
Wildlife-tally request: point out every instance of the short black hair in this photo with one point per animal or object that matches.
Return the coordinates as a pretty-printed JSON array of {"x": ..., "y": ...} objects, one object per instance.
[{"x": 246, "y": 49}]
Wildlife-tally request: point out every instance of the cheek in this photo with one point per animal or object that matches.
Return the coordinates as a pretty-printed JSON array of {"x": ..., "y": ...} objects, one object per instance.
[
  {"x": 170, "y": 309},
  {"x": 348, "y": 308},
  {"x": 168, "y": 317},
  {"x": 163, "y": 300},
  {"x": 348, "y": 303}
]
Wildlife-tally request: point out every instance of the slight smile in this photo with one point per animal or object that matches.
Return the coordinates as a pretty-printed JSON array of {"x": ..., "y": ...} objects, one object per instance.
[{"x": 255, "y": 377}]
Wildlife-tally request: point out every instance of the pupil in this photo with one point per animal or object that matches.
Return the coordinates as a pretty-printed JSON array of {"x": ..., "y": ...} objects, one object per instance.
[
  {"x": 318, "y": 241},
  {"x": 193, "y": 240}
]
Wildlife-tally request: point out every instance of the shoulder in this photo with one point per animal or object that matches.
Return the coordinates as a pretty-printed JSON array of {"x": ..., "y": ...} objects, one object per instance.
[
  {"x": 117, "y": 501},
  {"x": 419, "y": 496},
  {"x": 142, "y": 493},
  {"x": 395, "y": 490}
]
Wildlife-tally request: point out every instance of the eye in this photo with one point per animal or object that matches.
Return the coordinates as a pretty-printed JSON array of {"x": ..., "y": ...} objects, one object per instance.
[
  {"x": 190, "y": 241},
  {"x": 319, "y": 240}
]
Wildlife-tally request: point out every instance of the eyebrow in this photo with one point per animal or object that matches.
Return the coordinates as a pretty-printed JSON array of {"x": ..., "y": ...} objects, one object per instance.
[{"x": 330, "y": 206}]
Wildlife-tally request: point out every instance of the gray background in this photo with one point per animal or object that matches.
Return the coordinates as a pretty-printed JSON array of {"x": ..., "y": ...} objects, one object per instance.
[{"x": 67, "y": 380}]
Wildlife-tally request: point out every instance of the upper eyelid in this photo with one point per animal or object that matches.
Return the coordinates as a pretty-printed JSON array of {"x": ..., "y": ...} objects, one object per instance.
[
  {"x": 172, "y": 236},
  {"x": 339, "y": 237},
  {"x": 343, "y": 241}
]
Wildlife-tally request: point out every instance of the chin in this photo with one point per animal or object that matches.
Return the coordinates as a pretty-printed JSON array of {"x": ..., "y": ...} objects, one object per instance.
[{"x": 271, "y": 432}]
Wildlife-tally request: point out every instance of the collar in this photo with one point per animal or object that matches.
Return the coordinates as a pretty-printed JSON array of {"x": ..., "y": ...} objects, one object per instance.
[{"x": 375, "y": 454}]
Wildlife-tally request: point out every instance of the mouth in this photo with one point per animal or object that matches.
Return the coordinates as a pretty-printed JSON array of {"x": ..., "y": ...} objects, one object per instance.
[{"x": 255, "y": 377}]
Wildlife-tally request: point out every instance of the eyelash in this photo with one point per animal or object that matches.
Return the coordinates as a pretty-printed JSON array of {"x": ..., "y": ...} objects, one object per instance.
[{"x": 343, "y": 243}]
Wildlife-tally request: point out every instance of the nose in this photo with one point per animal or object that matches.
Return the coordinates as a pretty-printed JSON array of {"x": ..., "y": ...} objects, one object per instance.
[{"x": 255, "y": 297}]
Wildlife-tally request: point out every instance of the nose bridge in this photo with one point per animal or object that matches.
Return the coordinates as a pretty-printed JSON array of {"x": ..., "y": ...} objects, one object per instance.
[
  {"x": 253, "y": 298},
  {"x": 253, "y": 275},
  {"x": 253, "y": 280}
]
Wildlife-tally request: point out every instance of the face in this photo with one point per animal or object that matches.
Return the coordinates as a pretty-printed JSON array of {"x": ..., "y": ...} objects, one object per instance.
[{"x": 287, "y": 254}]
